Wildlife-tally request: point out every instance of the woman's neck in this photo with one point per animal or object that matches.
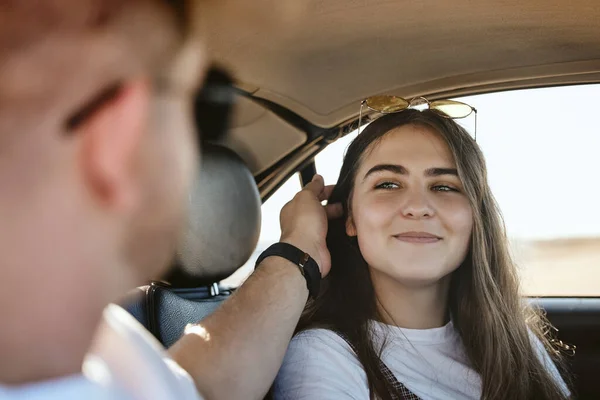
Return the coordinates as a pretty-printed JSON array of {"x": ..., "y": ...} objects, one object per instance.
[{"x": 411, "y": 306}]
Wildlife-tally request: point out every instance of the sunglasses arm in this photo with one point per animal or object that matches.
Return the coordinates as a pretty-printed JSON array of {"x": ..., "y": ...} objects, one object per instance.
[{"x": 475, "y": 111}]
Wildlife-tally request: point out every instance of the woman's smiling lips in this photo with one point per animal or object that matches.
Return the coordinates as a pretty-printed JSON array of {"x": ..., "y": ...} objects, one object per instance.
[{"x": 418, "y": 237}]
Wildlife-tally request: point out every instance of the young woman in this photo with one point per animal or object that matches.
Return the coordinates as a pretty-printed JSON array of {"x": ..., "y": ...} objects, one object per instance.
[{"x": 422, "y": 300}]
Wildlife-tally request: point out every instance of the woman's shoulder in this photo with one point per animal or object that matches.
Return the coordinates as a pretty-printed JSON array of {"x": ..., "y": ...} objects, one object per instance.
[
  {"x": 320, "y": 360},
  {"x": 317, "y": 337},
  {"x": 320, "y": 345}
]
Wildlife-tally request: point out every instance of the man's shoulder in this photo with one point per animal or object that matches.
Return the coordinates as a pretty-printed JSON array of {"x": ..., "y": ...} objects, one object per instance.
[
  {"x": 125, "y": 362},
  {"x": 123, "y": 324},
  {"x": 74, "y": 387},
  {"x": 127, "y": 353}
]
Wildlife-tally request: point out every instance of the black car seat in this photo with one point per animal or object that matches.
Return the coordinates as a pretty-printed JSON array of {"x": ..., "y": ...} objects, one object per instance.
[{"x": 222, "y": 233}]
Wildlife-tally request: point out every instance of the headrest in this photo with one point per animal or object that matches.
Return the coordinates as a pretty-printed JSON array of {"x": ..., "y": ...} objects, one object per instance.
[{"x": 224, "y": 221}]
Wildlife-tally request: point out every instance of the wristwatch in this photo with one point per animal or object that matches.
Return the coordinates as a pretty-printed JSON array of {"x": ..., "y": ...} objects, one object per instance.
[{"x": 307, "y": 265}]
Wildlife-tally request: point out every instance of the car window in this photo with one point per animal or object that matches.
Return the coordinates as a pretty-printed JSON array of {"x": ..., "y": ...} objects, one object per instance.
[
  {"x": 270, "y": 229},
  {"x": 541, "y": 147}
]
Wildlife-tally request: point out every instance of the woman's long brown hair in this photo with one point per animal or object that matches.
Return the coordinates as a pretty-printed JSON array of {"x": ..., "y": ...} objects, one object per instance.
[{"x": 493, "y": 321}]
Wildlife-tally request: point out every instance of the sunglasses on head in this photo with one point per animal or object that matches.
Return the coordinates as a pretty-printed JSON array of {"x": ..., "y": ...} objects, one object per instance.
[{"x": 388, "y": 104}]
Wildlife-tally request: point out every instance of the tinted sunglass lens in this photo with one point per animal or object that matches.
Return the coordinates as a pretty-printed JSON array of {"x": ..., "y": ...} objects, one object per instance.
[
  {"x": 387, "y": 104},
  {"x": 214, "y": 104},
  {"x": 451, "y": 108}
]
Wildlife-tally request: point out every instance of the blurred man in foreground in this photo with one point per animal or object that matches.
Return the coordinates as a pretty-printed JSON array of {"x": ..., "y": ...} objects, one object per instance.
[{"x": 97, "y": 154}]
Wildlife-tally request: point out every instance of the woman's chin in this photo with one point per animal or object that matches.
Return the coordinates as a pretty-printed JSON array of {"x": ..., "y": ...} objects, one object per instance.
[{"x": 419, "y": 277}]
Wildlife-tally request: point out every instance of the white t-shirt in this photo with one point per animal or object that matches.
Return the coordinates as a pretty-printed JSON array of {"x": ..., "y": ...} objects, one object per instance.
[
  {"x": 431, "y": 363},
  {"x": 125, "y": 363}
]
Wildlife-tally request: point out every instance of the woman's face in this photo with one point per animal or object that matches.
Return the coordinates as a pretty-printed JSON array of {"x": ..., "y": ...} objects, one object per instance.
[{"x": 408, "y": 208}]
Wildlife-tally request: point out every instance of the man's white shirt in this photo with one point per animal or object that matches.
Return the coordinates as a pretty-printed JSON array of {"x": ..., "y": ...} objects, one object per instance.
[{"x": 125, "y": 363}]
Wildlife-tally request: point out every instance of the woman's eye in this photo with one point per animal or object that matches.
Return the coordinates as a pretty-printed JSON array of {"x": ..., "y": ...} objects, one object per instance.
[
  {"x": 444, "y": 188},
  {"x": 387, "y": 186}
]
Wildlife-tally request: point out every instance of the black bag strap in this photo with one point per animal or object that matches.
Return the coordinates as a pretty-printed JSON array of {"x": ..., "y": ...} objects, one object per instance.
[{"x": 389, "y": 376}]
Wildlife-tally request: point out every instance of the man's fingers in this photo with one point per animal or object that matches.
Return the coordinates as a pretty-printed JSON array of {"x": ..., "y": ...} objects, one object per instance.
[
  {"x": 326, "y": 193},
  {"x": 334, "y": 211},
  {"x": 315, "y": 186}
]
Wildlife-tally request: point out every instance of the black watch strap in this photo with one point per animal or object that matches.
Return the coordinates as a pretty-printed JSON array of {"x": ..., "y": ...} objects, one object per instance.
[{"x": 307, "y": 265}]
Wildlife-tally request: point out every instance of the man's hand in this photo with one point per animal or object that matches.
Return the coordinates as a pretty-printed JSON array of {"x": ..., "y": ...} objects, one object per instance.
[{"x": 304, "y": 221}]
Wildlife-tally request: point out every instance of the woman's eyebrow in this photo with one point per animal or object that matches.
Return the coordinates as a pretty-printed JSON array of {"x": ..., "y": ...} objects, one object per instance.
[
  {"x": 400, "y": 170},
  {"x": 396, "y": 169}
]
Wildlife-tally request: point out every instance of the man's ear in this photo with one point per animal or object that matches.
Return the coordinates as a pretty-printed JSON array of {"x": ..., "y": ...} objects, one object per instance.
[
  {"x": 111, "y": 138},
  {"x": 350, "y": 227}
]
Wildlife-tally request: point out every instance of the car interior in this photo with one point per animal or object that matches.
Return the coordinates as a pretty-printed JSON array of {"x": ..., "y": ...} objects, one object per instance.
[{"x": 298, "y": 92}]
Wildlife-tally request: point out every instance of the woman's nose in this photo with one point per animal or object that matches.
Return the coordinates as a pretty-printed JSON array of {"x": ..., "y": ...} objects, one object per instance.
[{"x": 416, "y": 205}]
